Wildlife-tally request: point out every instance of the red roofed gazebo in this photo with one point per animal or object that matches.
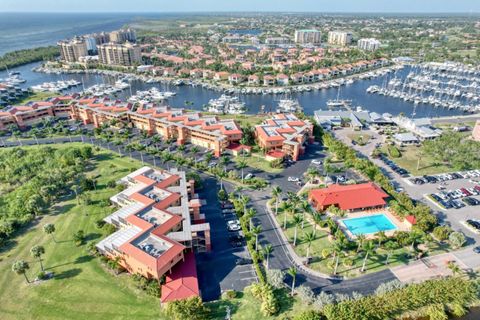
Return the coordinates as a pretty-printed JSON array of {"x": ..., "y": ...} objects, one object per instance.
[{"x": 348, "y": 197}]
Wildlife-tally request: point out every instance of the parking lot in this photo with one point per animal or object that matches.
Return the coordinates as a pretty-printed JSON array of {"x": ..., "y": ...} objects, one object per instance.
[
  {"x": 228, "y": 265},
  {"x": 450, "y": 189}
]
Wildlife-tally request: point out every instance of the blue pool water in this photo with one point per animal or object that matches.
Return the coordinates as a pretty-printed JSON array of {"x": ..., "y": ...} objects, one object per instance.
[{"x": 370, "y": 224}]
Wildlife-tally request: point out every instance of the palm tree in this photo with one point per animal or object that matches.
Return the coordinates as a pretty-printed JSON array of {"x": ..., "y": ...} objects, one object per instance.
[
  {"x": 360, "y": 240},
  {"x": 369, "y": 248},
  {"x": 317, "y": 219},
  {"x": 256, "y": 231},
  {"x": 37, "y": 252},
  {"x": 381, "y": 236},
  {"x": 224, "y": 162},
  {"x": 292, "y": 271},
  {"x": 297, "y": 220},
  {"x": 267, "y": 251},
  {"x": 415, "y": 237},
  {"x": 453, "y": 267},
  {"x": 49, "y": 228},
  {"x": 241, "y": 165},
  {"x": 337, "y": 250},
  {"x": 250, "y": 214},
  {"x": 244, "y": 201},
  {"x": 276, "y": 192},
  {"x": 309, "y": 237},
  {"x": 305, "y": 206},
  {"x": 390, "y": 246},
  {"x": 21, "y": 267},
  {"x": 312, "y": 173},
  {"x": 287, "y": 208}
]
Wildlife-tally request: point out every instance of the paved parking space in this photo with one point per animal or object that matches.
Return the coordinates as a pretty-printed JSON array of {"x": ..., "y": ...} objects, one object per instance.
[{"x": 217, "y": 270}]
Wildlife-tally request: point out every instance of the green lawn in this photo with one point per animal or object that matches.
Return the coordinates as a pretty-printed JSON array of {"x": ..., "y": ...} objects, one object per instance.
[
  {"x": 409, "y": 161},
  {"x": 359, "y": 138},
  {"x": 242, "y": 119},
  {"x": 247, "y": 307},
  {"x": 258, "y": 161},
  {"x": 374, "y": 263},
  {"x": 82, "y": 287},
  {"x": 37, "y": 96}
]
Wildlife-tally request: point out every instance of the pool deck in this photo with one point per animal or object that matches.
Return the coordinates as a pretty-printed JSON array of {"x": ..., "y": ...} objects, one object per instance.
[{"x": 400, "y": 225}]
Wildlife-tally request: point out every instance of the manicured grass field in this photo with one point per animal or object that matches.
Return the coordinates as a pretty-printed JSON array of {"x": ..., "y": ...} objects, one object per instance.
[
  {"x": 257, "y": 161},
  {"x": 359, "y": 138},
  {"x": 82, "y": 288},
  {"x": 38, "y": 96}
]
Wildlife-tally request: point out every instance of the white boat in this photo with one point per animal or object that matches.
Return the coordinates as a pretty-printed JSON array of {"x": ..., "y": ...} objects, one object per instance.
[{"x": 288, "y": 106}]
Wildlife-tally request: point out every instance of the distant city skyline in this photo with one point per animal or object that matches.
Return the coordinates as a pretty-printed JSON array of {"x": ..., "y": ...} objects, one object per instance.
[{"x": 386, "y": 6}]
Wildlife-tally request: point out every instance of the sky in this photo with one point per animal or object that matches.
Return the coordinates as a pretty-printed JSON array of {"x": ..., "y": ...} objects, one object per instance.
[{"x": 396, "y": 6}]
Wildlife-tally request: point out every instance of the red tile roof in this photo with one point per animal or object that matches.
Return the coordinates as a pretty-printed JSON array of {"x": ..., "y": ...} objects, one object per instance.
[
  {"x": 350, "y": 197},
  {"x": 182, "y": 283}
]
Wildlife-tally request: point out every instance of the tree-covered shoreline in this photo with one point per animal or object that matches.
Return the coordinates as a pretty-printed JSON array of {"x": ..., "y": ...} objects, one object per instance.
[{"x": 20, "y": 57}]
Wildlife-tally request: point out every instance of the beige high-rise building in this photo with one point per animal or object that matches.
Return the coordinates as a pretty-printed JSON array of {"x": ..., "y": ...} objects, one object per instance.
[
  {"x": 368, "y": 44},
  {"x": 123, "y": 35},
  {"x": 72, "y": 50},
  {"x": 308, "y": 36},
  {"x": 126, "y": 54},
  {"x": 340, "y": 38}
]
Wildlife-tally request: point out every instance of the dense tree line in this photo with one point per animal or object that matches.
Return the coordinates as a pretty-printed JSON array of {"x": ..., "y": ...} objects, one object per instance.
[
  {"x": 32, "y": 179},
  {"x": 452, "y": 295},
  {"x": 21, "y": 57},
  {"x": 453, "y": 150}
]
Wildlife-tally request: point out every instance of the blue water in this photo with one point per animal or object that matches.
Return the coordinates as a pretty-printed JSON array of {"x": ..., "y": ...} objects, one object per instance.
[
  {"x": 310, "y": 101},
  {"x": 29, "y": 30},
  {"x": 368, "y": 225}
]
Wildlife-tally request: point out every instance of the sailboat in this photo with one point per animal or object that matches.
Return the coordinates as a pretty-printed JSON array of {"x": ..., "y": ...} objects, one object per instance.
[{"x": 339, "y": 102}]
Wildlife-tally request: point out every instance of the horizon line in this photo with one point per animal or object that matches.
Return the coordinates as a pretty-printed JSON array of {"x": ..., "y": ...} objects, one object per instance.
[{"x": 260, "y": 11}]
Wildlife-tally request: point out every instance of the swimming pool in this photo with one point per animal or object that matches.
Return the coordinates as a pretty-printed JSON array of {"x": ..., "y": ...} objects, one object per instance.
[{"x": 369, "y": 224}]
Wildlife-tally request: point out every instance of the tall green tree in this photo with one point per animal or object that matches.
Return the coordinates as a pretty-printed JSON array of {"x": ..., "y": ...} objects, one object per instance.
[
  {"x": 49, "y": 228},
  {"x": 37, "y": 251},
  {"x": 21, "y": 267}
]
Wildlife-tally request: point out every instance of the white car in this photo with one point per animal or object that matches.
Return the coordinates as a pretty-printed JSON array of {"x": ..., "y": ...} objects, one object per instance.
[
  {"x": 248, "y": 176},
  {"x": 293, "y": 179},
  {"x": 233, "y": 225},
  {"x": 316, "y": 162}
]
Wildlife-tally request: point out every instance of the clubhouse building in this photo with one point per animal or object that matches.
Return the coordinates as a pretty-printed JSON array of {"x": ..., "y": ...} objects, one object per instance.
[
  {"x": 159, "y": 226},
  {"x": 355, "y": 197}
]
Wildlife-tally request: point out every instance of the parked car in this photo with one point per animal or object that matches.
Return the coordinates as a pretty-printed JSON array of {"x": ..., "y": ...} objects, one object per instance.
[
  {"x": 249, "y": 176},
  {"x": 243, "y": 261},
  {"x": 233, "y": 225},
  {"x": 471, "y": 201},
  {"x": 476, "y": 249},
  {"x": 316, "y": 162},
  {"x": 293, "y": 179}
]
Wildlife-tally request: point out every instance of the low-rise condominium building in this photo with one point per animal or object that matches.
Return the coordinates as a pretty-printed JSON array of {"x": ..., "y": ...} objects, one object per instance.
[
  {"x": 284, "y": 135},
  {"x": 158, "y": 222},
  {"x": 206, "y": 131}
]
